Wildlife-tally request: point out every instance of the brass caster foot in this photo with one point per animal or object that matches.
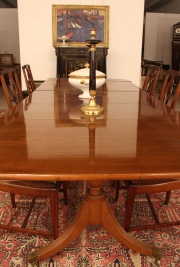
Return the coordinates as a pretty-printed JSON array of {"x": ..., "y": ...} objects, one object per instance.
[
  {"x": 157, "y": 262},
  {"x": 32, "y": 259}
]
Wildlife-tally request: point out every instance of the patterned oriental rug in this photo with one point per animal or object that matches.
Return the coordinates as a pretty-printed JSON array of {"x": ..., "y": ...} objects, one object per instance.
[{"x": 95, "y": 247}]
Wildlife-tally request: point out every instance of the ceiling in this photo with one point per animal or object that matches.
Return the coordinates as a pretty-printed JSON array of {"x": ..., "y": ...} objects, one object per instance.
[
  {"x": 8, "y": 3},
  {"x": 150, "y": 5}
]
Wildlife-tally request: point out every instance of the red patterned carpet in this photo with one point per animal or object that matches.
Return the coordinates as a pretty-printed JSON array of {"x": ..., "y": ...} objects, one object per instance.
[{"x": 95, "y": 247}]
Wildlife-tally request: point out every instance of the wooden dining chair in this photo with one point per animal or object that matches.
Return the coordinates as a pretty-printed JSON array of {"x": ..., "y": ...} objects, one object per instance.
[
  {"x": 151, "y": 79},
  {"x": 11, "y": 86},
  {"x": 34, "y": 189},
  {"x": 147, "y": 187},
  {"x": 30, "y": 85},
  {"x": 170, "y": 90}
]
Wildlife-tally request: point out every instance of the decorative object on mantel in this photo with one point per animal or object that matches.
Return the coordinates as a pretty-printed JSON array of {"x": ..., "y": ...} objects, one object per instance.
[
  {"x": 63, "y": 38},
  {"x": 92, "y": 108},
  {"x": 80, "y": 80}
]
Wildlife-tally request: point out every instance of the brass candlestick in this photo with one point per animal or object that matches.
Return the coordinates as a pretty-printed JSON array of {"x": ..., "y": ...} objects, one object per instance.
[{"x": 92, "y": 108}]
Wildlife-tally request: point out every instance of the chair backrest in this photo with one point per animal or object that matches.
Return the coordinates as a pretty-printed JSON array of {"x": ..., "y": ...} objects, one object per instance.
[
  {"x": 11, "y": 86},
  {"x": 28, "y": 78},
  {"x": 150, "y": 81},
  {"x": 170, "y": 88}
]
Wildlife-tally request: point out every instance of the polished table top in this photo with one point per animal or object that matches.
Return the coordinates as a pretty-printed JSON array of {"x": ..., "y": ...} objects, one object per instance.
[{"x": 48, "y": 137}]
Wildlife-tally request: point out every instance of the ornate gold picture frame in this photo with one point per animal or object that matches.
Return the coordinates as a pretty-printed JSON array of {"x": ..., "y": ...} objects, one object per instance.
[{"x": 73, "y": 23}]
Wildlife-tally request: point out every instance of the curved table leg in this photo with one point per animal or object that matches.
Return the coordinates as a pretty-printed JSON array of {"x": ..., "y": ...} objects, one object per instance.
[
  {"x": 111, "y": 224},
  {"x": 77, "y": 225},
  {"x": 94, "y": 210}
]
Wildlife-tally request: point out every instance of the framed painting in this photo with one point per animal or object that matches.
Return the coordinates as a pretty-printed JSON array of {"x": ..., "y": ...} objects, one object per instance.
[
  {"x": 6, "y": 60},
  {"x": 71, "y": 24}
]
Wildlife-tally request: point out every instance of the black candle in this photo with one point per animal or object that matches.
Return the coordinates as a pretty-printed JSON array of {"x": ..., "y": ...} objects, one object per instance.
[
  {"x": 92, "y": 59},
  {"x": 92, "y": 76}
]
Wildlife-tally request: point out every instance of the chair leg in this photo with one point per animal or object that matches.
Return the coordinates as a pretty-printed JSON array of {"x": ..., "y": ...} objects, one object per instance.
[
  {"x": 117, "y": 184},
  {"x": 13, "y": 200},
  {"x": 54, "y": 212},
  {"x": 152, "y": 209},
  {"x": 168, "y": 194},
  {"x": 131, "y": 193},
  {"x": 58, "y": 185},
  {"x": 118, "y": 187},
  {"x": 65, "y": 188},
  {"x": 29, "y": 212}
]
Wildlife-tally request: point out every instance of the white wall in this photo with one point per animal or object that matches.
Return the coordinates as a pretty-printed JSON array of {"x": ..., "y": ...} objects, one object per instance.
[
  {"x": 9, "y": 33},
  {"x": 125, "y": 36},
  {"x": 159, "y": 36}
]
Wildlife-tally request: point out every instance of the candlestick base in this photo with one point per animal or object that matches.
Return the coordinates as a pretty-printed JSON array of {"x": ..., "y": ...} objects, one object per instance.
[{"x": 92, "y": 108}]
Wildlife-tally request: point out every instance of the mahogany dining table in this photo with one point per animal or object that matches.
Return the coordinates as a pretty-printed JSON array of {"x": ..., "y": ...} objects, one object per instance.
[{"x": 47, "y": 137}]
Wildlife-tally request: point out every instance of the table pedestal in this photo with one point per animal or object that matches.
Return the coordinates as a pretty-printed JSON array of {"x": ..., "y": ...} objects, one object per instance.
[{"x": 95, "y": 209}]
